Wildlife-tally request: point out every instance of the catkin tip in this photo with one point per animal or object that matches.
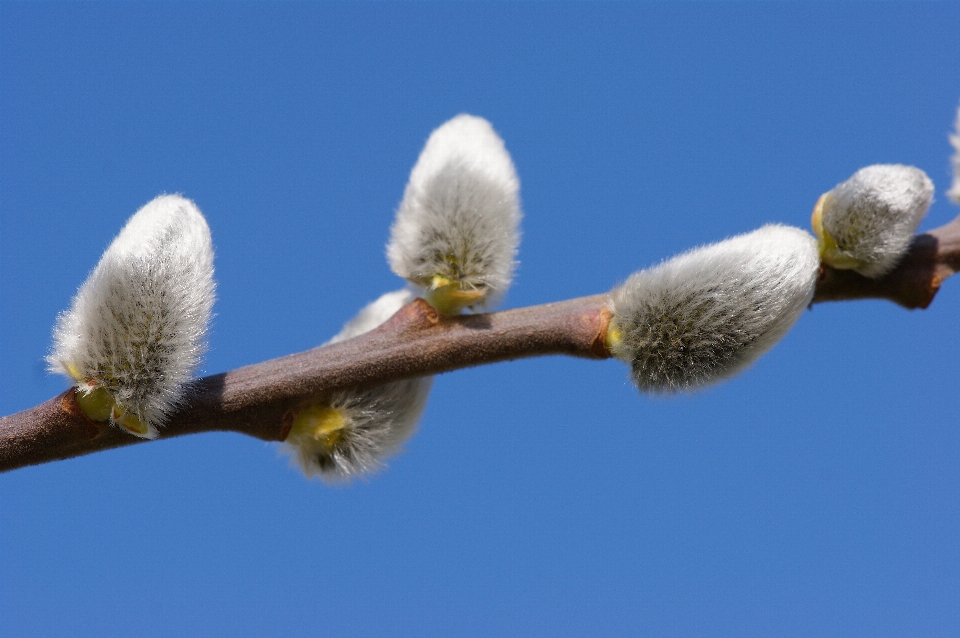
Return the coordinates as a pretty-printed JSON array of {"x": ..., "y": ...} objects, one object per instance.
[{"x": 954, "y": 192}]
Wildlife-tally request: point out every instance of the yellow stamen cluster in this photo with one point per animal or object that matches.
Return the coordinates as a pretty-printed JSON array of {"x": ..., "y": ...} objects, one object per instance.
[
  {"x": 99, "y": 405},
  {"x": 449, "y": 297},
  {"x": 322, "y": 425}
]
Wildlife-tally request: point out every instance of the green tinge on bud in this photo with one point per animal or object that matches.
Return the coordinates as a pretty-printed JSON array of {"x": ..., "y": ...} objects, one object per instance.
[
  {"x": 709, "y": 313},
  {"x": 97, "y": 404},
  {"x": 457, "y": 228},
  {"x": 351, "y": 432},
  {"x": 134, "y": 335},
  {"x": 866, "y": 223},
  {"x": 448, "y": 297}
]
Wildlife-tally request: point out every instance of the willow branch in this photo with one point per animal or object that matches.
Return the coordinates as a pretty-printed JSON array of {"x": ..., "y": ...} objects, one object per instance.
[{"x": 260, "y": 400}]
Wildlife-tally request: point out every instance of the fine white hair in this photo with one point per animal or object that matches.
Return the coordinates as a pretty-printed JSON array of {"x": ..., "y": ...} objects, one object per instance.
[
  {"x": 872, "y": 216},
  {"x": 460, "y": 214},
  {"x": 709, "y": 313},
  {"x": 377, "y": 420},
  {"x": 954, "y": 192},
  {"x": 137, "y": 325}
]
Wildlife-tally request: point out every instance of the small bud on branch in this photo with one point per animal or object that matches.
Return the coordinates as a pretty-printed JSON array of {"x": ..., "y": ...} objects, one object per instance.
[{"x": 866, "y": 223}]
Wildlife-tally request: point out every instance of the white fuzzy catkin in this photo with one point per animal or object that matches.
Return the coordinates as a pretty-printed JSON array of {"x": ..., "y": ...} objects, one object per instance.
[
  {"x": 954, "y": 192},
  {"x": 372, "y": 423},
  {"x": 460, "y": 215},
  {"x": 868, "y": 221},
  {"x": 708, "y": 313},
  {"x": 137, "y": 325}
]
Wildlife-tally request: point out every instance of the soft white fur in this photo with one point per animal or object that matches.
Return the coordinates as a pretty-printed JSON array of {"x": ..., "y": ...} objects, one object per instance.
[
  {"x": 379, "y": 419},
  {"x": 873, "y": 215},
  {"x": 954, "y": 192},
  {"x": 707, "y": 314},
  {"x": 460, "y": 213},
  {"x": 137, "y": 325}
]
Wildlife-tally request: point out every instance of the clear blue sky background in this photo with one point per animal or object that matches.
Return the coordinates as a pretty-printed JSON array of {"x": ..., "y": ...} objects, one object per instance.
[{"x": 816, "y": 495}]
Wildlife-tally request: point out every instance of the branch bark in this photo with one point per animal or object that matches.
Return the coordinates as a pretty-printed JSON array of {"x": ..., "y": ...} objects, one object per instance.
[{"x": 260, "y": 400}]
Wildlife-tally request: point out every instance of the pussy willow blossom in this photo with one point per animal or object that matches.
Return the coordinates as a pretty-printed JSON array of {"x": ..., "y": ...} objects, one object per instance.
[
  {"x": 954, "y": 192},
  {"x": 866, "y": 223},
  {"x": 134, "y": 334},
  {"x": 708, "y": 313},
  {"x": 457, "y": 228},
  {"x": 353, "y": 431}
]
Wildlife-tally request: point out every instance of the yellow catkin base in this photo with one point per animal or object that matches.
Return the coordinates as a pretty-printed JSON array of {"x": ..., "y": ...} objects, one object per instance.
[{"x": 321, "y": 423}]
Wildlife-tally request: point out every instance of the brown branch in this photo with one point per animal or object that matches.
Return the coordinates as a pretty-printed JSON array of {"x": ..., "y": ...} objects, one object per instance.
[{"x": 260, "y": 400}]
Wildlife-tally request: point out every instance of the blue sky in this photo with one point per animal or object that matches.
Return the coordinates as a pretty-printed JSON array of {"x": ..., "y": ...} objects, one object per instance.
[{"x": 816, "y": 494}]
